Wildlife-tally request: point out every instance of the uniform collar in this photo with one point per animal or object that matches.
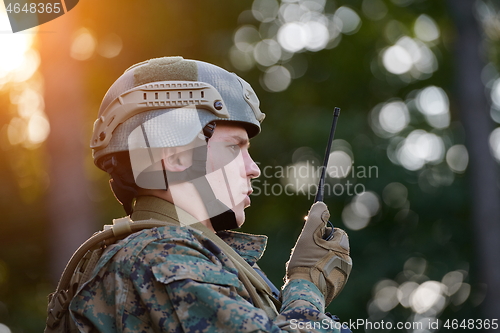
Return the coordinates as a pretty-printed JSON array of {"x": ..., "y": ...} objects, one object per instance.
[
  {"x": 150, "y": 207},
  {"x": 249, "y": 247}
]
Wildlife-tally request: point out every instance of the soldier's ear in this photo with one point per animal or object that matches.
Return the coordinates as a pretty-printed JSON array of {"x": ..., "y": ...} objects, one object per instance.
[{"x": 177, "y": 159}]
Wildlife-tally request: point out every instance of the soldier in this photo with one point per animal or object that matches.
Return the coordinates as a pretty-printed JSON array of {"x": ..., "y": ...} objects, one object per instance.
[{"x": 174, "y": 135}]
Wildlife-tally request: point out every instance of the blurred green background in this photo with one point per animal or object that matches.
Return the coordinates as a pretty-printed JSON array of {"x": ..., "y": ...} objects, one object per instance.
[{"x": 414, "y": 168}]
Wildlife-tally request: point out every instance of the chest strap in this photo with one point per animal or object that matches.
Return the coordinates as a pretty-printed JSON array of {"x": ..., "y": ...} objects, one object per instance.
[{"x": 259, "y": 290}]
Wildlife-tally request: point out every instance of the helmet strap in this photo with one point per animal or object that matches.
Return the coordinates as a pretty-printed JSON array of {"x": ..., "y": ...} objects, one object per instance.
[
  {"x": 195, "y": 174},
  {"x": 220, "y": 221},
  {"x": 123, "y": 188},
  {"x": 123, "y": 193}
]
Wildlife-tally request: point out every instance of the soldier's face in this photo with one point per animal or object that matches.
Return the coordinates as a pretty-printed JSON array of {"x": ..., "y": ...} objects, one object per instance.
[{"x": 230, "y": 167}]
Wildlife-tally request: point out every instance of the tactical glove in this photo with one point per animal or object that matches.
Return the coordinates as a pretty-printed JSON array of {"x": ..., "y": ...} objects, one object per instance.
[{"x": 326, "y": 263}]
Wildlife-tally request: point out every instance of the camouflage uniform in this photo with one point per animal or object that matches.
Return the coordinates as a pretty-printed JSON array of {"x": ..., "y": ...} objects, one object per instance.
[{"x": 173, "y": 279}]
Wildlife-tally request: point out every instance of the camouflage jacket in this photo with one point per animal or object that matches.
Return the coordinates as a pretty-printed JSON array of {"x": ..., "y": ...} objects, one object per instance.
[{"x": 173, "y": 279}]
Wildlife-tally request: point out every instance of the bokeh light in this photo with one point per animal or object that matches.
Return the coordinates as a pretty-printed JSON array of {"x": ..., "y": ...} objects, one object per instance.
[
  {"x": 352, "y": 220},
  {"x": 366, "y": 204},
  {"x": 265, "y": 10},
  {"x": 4, "y": 329},
  {"x": 395, "y": 195},
  {"x": 374, "y": 9},
  {"x": 38, "y": 129},
  {"x": 267, "y": 52},
  {"x": 83, "y": 45},
  {"x": 397, "y": 59},
  {"x": 394, "y": 117},
  {"x": 457, "y": 158},
  {"x": 357, "y": 214},
  {"x": 495, "y": 93},
  {"x": 29, "y": 102},
  {"x": 286, "y": 29},
  {"x": 305, "y": 154},
  {"x": 414, "y": 267},
  {"x": 427, "y": 298},
  {"x": 452, "y": 280},
  {"x": 495, "y": 143},
  {"x": 489, "y": 18},
  {"x": 386, "y": 295},
  {"x": 19, "y": 61},
  {"x": 411, "y": 56},
  {"x": 435, "y": 176},
  {"x": 426, "y": 28},
  {"x": 242, "y": 60},
  {"x": 276, "y": 78},
  {"x": 339, "y": 164},
  {"x": 301, "y": 177},
  {"x": 296, "y": 36},
  {"x": 390, "y": 118},
  {"x": 110, "y": 46},
  {"x": 246, "y": 37},
  {"x": 420, "y": 148},
  {"x": 394, "y": 30},
  {"x": 292, "y": 37},
  {"x": 31, "y": 127},
  {"x": 317, "y": 35},
  {"x": 341, "y": 159},
  {"x": 351, "y": 22},
  {"x": 429, "y": 295},
  {"x": 405, "y": 290},
  {"x": 433, "y": 103},
  {"x": 16, "y": 131},
  {"x": 31, "y": 61},
  {"x": 461, "y": 295}
]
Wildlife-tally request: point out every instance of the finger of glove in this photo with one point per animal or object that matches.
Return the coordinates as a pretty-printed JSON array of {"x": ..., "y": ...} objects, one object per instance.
[
  {"x": 306, "y": 251},
  {"x": 318, "y": 216},
  {"x": 341, "y": 237},
  {"x": 339, "y": 242}
]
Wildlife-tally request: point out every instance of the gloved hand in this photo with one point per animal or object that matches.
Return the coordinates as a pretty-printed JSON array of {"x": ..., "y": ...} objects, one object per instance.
[{"x": 325, "y": 263}]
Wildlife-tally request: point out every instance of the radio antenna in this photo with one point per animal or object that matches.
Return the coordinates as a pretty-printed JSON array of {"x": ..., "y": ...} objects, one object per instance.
[{"x": 321, "y": 186}]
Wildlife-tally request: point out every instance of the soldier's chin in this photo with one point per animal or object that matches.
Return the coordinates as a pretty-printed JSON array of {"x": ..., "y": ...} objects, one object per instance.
[
  {"x": 239, "y": 212},
  {"x": 240, "y": 219}
]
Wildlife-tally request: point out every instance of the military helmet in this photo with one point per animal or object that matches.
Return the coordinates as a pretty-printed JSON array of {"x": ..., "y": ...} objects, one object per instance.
[
  {"x": 169, "y": 102},
  {"x": 158, "y": 86}
]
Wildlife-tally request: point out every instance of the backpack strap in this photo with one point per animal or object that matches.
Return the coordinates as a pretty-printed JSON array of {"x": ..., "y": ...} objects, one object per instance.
[
  {"x": 81, "y": 264},
  {"x": 256, "y": 286}
]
